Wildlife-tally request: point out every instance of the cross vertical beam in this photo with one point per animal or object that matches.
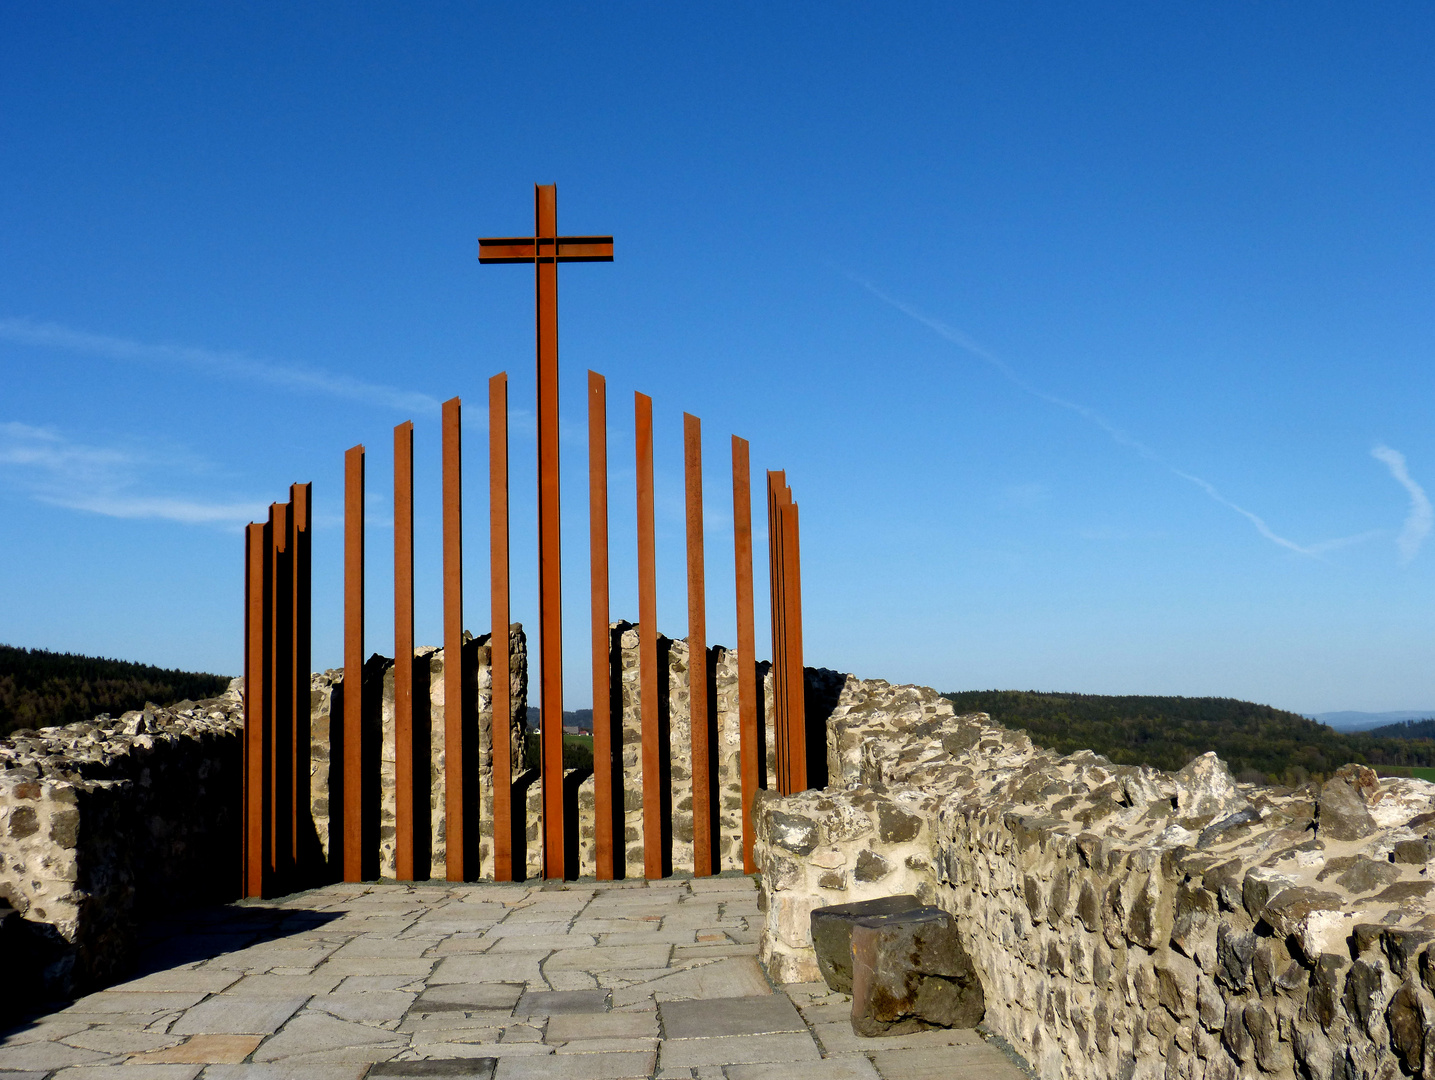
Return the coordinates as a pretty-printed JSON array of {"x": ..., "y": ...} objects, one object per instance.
[
  {"x": 405, "y": 837},
  {"x": 550, "y": 582},
  {"x": 545, "y": 249},
  {"x": 699, "y": 715},
  {"x": 749, "y": 732},
  {"x": 648, "y": 643},
  {"x": 604, "y": 760},
  {"x": 454, "y": 752},
  {"x": 353, "y": 663},
  {"x": 501, "y": 726}
]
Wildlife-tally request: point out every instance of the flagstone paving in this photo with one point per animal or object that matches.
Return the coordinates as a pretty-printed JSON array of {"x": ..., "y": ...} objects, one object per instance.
[{"x": 583, "y": 981}]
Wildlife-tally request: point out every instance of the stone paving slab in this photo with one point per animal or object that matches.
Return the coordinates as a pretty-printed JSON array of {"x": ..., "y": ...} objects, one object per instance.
[{"x": 585, "y": 981}]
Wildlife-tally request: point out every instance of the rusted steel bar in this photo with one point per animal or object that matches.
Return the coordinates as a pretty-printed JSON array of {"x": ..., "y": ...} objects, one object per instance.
[
  {"x": 502, "y": 725},
  {"x": 775, "y": 482},
  {"x": 405, "y": 838},
  {"x": 281, "y": 697},
  {"x": 603, "y": 747},
  {"x": 550, "y": 590},
  {"x": 353, "y": 663},
  {"x": 648, "y": 643},
  {"x": 301, "y": 524},
  {"x": 256, "y": 702},
  {"x": 749, "y": 742},
  {"x": 699, "y": 718},
  {"x": 456, "y": 798},
  {"x": 792, "y": 624}
]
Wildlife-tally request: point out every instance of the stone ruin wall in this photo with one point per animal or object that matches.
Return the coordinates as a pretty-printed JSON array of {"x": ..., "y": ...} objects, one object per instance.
[
  {"x": 327, "y": 704},
  {"x": 1126, "y": 922},
  {"x": 105, "y": 822}
]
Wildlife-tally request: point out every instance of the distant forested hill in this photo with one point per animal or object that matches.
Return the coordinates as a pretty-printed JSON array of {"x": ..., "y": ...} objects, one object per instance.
[
  {"x": 1257, "y": 741},
  {"x": 41, "y": 689},
  {"x": 1410, "y": 729}
]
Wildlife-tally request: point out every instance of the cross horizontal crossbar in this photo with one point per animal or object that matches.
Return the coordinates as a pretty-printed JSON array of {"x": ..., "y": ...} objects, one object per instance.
[{"x": 527, "y": 249}]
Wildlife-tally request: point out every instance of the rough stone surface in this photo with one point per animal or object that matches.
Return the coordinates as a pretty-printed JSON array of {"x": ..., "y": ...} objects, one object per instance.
[
  {"x": 103, "y": 821},
  {"x": 1125, "y": 923},
  {"x": 832, "y": 935},
  {"x": 910, "y": 972}
]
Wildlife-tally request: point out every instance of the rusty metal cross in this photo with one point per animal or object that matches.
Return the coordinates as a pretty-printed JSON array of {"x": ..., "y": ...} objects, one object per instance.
[{"x": 545, "y": 249}]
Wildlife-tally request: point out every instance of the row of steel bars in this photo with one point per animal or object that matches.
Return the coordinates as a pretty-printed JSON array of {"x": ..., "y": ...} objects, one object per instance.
[
  {"x": 412, "y": 852},
  {"x": 461, "y": 862},
  {"x": 605, "y": 752},
  {"x": 789, "y": 695},
  {"x": 277, "y": 618}
]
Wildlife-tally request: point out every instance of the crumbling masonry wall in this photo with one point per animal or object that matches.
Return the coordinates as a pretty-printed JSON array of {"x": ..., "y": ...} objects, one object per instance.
[
  {"x": 106, "y": 822},
  {"x": 1126, "y": 922}
]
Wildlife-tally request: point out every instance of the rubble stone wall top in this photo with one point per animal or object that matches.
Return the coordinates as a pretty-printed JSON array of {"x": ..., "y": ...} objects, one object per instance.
[
  {"x": 105, "y": 820},
  {"x": 1126, "y": 922}
]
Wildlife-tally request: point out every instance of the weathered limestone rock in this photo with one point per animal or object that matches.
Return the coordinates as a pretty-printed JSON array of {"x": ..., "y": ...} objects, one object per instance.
[
  {"x": 1341, "y": 815},
  {"x": 910, "y": 972},
  {"x": 832, "y": 935}
]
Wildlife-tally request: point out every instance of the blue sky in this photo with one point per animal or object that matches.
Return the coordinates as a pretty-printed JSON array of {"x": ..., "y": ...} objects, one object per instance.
[{"x": 1095, "y": 339}]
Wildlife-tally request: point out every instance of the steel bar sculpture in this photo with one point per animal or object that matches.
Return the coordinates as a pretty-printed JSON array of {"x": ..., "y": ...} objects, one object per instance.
[
  {"x": 281, "y": 695},
  {"x": 456, "y": 796},
  {"x": 699, "y": 718},
  {"x": 405, "y": 839},
  {"x": 301, "y": 561},
  {"x": 648, "y": 644},
  {"x": 354, "y": 664},
  {"x": 750, "y": 748},
  {"x": 605, "y": 760},
  {"x": 275, "y": 791},
  {"x": 501, "y": 727},
  {"x": 257, "y": 728},
  {"x": 545, "y": 249},
  {"x": 789, "y": 692}
]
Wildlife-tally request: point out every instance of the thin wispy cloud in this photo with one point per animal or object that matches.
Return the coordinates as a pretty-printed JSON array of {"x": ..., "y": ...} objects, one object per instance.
[
  {"x": 230, "y": 365},
  {"x": 1091, "y": 416},
  {"x": 105, "y": 480},
  {"x": 1421, "y": 516}
]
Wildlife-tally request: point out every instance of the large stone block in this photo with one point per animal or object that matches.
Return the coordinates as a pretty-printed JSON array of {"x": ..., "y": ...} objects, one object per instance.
[
  {"x": 910, "y": 972},
  {"x": 832, "y": 934}
]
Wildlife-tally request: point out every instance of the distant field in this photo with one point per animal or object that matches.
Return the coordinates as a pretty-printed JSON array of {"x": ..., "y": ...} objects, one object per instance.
[{"x": 1412, "y": 771}]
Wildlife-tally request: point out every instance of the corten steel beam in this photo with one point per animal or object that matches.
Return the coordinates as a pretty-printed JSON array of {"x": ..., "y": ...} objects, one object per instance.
[
  {"x": 603, "y": 749},
  {"x": 648, "y": 643},
  {"x": 256, "y": 708},
  {"x": 749, "y": 744},
  {"x": 779, "y": 668},
  {"x": 454, "y": 752},
  {"x": 301, "y": 523},
  {"x": 550, "y": 582},
  {"x": 699, "y": 718},
  {"x": 545, "y": 250},
  {"x": 498, "y": 565},
  {"x": 281, "y": 698},
  {"x": 353, "y": 662},
  {"x": 792, "y": 621},
  {"x": 404, "y": 837}
]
